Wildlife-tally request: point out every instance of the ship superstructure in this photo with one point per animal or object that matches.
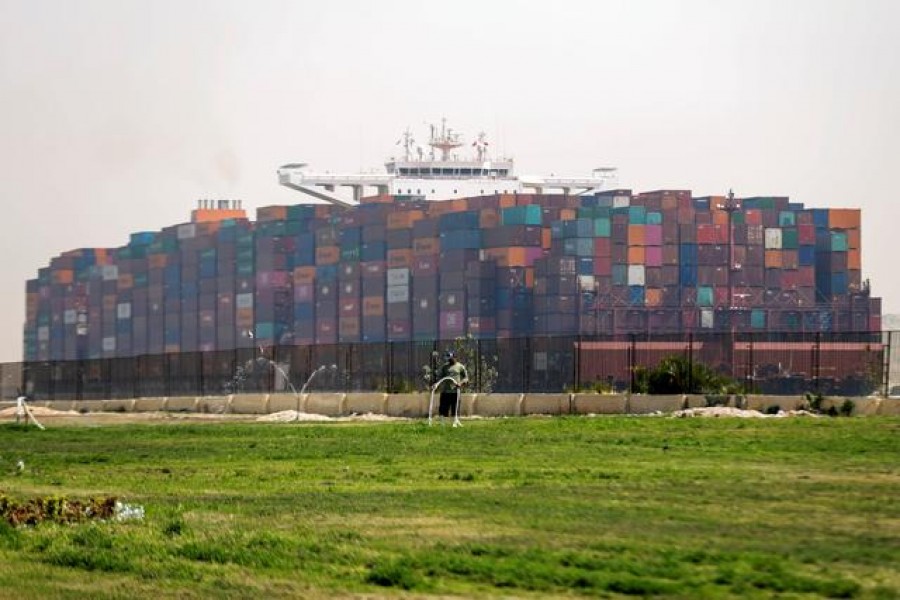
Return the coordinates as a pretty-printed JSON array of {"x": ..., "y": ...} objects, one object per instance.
[{"x": 437, "y": 173}]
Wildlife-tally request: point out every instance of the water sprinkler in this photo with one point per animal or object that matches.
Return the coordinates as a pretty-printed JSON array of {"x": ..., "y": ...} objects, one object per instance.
[{"x": 318, "y": 370}]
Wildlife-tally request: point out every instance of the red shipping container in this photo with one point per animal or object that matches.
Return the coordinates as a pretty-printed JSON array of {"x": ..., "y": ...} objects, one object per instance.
[
  {"x": 602, "y": 266},
  {"x": 602, "y": 246},
  {"x": 806, "y": 234},
  {"x": 653, "y": 235},
  {"x": 653, "y": 256},
  {"x": 706, "y": 234}
]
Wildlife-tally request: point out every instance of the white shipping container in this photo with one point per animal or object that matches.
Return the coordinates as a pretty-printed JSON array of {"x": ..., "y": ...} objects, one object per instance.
[
  {"x": 43, "y": 333},
  {"x": 123, "y": 310},
  {"x": 244, "y": 300},
  {"x": 397, "y": 293},
  {"x": 70, "y": 316},
  {"x": 621, "y": 201},
  {"x": 773, "y": 238},
  {"x": 706, "y": 318},
  {"x": 398, "y": 276},
  {"x": 636, "y": 275},
  {"x": 109, "y": 344},
  {"x": 110, "y": 272},
  {"x": 186, "y": 231},
  {"x": 586, "y": 282}
]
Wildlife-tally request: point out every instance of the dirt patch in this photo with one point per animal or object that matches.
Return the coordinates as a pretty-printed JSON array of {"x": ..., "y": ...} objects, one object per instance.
[{"x": 725, "y": 411}]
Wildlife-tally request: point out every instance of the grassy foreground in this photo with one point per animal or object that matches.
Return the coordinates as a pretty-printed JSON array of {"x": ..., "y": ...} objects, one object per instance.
[{"x": 525, "y": 507}]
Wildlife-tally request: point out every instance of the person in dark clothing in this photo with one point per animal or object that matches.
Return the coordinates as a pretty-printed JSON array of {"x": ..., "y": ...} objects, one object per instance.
[{"x": 450, "y": 389}]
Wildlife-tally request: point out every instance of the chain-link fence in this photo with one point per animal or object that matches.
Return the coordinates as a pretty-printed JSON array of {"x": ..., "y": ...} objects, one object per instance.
[{"x": 773, "y": 363}]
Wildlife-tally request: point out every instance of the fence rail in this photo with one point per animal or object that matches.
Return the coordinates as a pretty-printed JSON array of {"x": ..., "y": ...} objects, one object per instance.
[{"x": 773, "y": 363}]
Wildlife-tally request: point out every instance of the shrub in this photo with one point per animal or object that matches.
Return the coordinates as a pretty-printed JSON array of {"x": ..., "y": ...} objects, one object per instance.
[{"x": 676, "y": 375}]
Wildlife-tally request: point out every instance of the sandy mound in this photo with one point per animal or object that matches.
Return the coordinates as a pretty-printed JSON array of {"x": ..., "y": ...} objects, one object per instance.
[
  {"x": 724, "y": 411},
  {"x": 287, "y": 416}
]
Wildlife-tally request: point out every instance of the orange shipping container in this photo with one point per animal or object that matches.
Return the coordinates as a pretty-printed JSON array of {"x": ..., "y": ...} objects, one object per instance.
[
  {"x": 636, "y": 255},
  {"x": 304, "y": 275},
  {"x": 843, "y": 218},
  {"x": 853, "y": 239},
  {"x": 546, "y": 238},
  {"x": 854, "y": 259},
  {"x": 459, "y": 205},
  {"x": 720, "y": 217},
  {"x": 63, "y": 276},
  {"x": 488, "y": 218},
  {"x": 508, "y": 200},
  {"x": 271, "y": 213},
  {"x": 636, "y": 235},
  {"x": 126, "y": 281},
  {"x": 157, "y": 261},
  {"x": 373, "y": 306},
  {"x": 400, "y": 258},
  {"x": 568, "y": 214},
  {"x": 403, "y": 219},
  {"x": 653, "y": 296},
  {"x": 773, "y": 259},
  {"x": 328, "y": 255}
]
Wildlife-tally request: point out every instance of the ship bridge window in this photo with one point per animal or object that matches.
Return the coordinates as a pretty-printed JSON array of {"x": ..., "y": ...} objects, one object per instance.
[{"x": 465, "y": 171}]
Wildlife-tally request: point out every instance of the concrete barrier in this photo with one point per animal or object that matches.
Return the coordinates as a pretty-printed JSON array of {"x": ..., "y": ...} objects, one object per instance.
[
  {"x": 149, "y": 404},
  {"x": 785, "y": 403},
  {"x": 181, "y": 404},
  {"x": 546, "y": 404},
  {"x": 599, "y": 404},
  {"x": 86, "y": 406},
  {"x": 64, "y": 405},
  {"x": 282, "y": 402},
  {"x": 408, "y": 405},
  {"x": 695, "y": 401},
  {"x": 889, "y": 407},
  {"x": 331, "y": 405},
  {"x": 215, "y": 405},
  {"x": 640, "y": 404},
  {"x": 118, "y": 405},
  {"x": 497, "y": 405},
  {"x": 365, "y": 403},
  {"x": 249, "y": 404}
]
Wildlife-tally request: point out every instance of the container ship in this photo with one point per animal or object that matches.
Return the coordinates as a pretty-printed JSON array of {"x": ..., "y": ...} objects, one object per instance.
[{"x": 437, "y": 247}]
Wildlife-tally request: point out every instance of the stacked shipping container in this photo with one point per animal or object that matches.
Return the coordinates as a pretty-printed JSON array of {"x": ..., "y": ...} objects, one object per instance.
[{"x": 491, "y": 266}]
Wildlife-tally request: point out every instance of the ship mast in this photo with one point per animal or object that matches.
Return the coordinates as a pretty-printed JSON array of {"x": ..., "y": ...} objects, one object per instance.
[{"x": 445, "y": 141}]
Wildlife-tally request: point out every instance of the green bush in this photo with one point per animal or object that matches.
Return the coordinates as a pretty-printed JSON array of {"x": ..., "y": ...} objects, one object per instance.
[{"x": 677, "y": 375}]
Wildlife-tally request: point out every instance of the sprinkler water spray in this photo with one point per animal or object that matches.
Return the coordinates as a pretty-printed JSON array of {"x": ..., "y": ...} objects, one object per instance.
[
  {"x": 456, "y": 422},
  {"x": 331, "y": 367}
]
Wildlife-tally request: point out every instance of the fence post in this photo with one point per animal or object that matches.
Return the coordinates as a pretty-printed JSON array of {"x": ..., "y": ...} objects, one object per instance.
[
  {"x": 750, "y": 367},
  {"x": 577, "y": 386},
  {"x": 528, "y": 364},
  {"x": 202, "y": 379},
  {"x": 632, "y": 360},
  {"x": 887, "y": 362},
  {"x": 691, "y": 362},
  {"x": 817, "y": 360}
]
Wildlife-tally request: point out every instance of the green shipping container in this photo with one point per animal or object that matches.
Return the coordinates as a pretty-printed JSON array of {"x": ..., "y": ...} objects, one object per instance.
[
  {"x": 838, "y": 241},
  {"x": 521, "y": 215},
  {"x": 789, "y": 239},
  {"x": 787, "y": 218},
  {"x": 602, "y": 227},
  {"x": 757, "y": 319},
  {"x": 654, "y": 218},
  {"x": 637, "y": 215}
]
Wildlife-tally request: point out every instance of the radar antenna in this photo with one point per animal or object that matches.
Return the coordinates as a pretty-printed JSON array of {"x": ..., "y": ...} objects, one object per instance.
[{"x": 445, "y": 141}]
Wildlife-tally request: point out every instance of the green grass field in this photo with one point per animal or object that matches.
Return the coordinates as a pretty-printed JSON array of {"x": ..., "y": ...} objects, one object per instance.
[{"x": 521, "y": 507}]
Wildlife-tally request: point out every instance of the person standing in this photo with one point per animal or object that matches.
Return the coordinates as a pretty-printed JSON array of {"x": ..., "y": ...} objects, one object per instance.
[{"x": 450, "y": 390}]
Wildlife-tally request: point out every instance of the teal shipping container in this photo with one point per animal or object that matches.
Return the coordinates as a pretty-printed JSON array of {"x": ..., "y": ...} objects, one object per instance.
[{"x": 521, "y": 215}]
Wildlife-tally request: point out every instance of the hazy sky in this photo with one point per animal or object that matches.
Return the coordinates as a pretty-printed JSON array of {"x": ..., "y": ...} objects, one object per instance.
[{"x": 118, "y": 115}]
